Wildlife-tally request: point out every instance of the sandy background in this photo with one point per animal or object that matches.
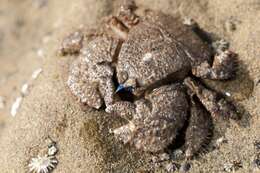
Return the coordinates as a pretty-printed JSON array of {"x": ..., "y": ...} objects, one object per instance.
[{"x": 30, "y": 33}]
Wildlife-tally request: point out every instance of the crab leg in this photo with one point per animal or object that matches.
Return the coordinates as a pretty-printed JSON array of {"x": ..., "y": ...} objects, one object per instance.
[
  {"x": 71, "y": 44},
  {"x": 198, "y": 130},
  {"x": 212, "y": 101},
  {"x": 223, "y": 67},
  {"x": 126, "y": 19}
]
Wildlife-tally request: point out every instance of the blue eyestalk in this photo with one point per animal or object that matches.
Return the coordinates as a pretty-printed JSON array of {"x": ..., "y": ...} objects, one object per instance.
[{"x": 121, "y": 87}]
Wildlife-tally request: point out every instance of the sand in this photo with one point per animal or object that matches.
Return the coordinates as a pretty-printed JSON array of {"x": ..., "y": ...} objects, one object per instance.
[{"x": 30, "y": 33}]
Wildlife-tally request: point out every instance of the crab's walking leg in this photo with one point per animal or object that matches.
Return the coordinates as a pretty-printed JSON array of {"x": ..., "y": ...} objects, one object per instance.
[
  {"x": 71, "y": 44},
  {"x": 199, "y": 129},
  {"x": 125, "y": 19},
  {"x": 118, "y": 28},
  {"x": 224, "y": 67},
  {"x": 212, "y": 101}
]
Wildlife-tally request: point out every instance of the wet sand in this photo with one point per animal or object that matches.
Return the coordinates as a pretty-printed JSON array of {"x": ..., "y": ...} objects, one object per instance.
[{"x": 30, "y": 33}]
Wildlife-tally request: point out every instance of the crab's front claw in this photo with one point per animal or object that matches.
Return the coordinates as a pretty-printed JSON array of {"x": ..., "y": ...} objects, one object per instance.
[
  {"x": 224, "y": 67},
  {"x": 123, "y": 109},
  {"x": 213, "y": 102}
]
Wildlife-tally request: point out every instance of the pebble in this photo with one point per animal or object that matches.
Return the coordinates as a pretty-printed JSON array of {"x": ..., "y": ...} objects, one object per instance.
[
  {"x": 160, "y": 158},
  {"x": 230, "y": 26},
  {"x": 171, "y": 167},
  {"x": 257, "y": 145},
  {"x": 228, "y": 94},
  {"x": 257, "y": 163},
  {"x": 189, "y": 21},
  {"x": 177, "y": 154},
  {"x": 231, "y": 167},
  {"x": 258, "y": 82},
  {"x": 185, "y": 167},
  {"x": 52, "y": 150},
  {"x": 164, "y": 157},
  {"x": 228, "y": 167},
  {"x": 52, "y": 147},
  {"x": 221, "y": 141}
]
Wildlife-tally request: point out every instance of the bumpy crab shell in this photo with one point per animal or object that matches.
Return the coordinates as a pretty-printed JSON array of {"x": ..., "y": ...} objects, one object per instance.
[
  {"x": 156, "y": 118},
  {"x": 154, "y": 52}
]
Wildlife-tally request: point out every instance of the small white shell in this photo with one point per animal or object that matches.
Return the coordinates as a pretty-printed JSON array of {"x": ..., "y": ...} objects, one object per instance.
[
  {"x": 24, "y": 89},
  {"x": 16, "y": 106},
  {"x": 36, "y": 73},
  {"x": 40, "y": 53},
  {"x": 228, "y": 94},
  {"x": 42, "y": 164}
]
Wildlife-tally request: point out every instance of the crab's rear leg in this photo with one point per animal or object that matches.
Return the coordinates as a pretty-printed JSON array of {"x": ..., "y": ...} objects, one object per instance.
[
  {"x": 74, "y": 42},
  {"x": 199, "y": 129},
  {"x": 212, "y": 101},
  {"x": 224, "y": 67}
]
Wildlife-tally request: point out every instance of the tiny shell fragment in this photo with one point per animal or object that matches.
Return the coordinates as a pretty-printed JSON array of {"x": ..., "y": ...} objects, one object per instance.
[
  {"x": 16, "y": 106},
  {"x": 36, "y": 73}
]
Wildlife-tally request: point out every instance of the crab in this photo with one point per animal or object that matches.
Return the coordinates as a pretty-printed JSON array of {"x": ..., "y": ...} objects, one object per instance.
[{"x": 157, "y": 61}]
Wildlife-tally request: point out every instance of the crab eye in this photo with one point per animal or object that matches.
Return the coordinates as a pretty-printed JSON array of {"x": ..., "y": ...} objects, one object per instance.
[{"x": 121, "y": 87}]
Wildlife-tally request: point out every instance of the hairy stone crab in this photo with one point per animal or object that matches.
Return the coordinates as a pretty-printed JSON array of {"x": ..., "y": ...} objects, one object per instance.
[{"x": 156, "y": 62}]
